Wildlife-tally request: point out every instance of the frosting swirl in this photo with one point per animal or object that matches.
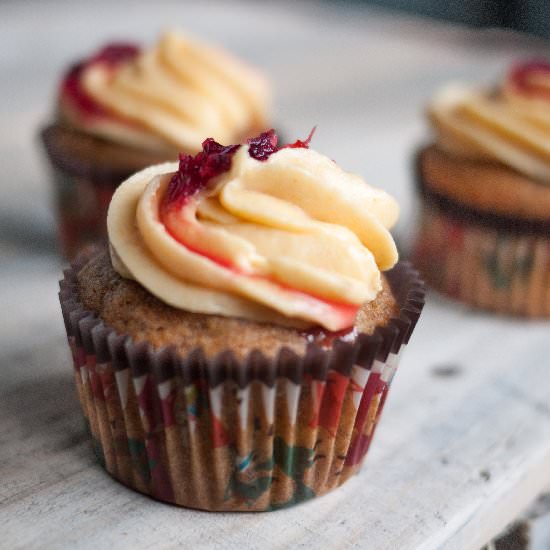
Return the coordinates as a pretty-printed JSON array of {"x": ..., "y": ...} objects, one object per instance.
[
  {"x": 510, "y": 125},
  {"x": 166, "y": 98},
  {"x": 255, "y": 231}
]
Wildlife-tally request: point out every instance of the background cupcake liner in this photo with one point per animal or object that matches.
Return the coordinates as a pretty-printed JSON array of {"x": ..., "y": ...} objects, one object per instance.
[
  {"x": 486, "y": 263},
  {"x": 83, "y": 191},
  {"x": 223, "y": 434},
  {"x": 81, "y": 204}
]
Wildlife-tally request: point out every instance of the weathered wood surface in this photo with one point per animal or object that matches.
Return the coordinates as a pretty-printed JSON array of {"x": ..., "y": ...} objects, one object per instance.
[{"x": 464, "y": 444}]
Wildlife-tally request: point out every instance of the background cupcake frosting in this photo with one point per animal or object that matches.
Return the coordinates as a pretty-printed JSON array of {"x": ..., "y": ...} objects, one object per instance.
[
  {"x": 509, "y": 123},
  {"x": 166, "y": 97}
]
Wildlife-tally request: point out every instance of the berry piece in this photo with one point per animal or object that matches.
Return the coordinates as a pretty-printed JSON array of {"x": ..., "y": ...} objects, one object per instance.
[
  {"x": 71, "y": 88},
  {"x": 114, "y": 54},
  {"x": 195, "y": 172},
  {"x": 263, "y": 146}
]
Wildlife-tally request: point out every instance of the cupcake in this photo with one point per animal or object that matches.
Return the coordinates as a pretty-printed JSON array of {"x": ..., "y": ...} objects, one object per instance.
[
  {"x": 234, "y": 346},
  {"x": 484, "y": 184},
  {"x": 123, "y": 109}
]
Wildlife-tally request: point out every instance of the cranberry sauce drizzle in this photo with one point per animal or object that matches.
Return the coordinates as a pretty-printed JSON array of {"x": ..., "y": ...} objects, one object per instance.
[
  {"x": 112, "y": 55},
  {"x": 299, "y": 144},
  {"x": 263, "y": 146},
  {"x": 520, "y": 77},
  {"x": 195, "y": 172},
  {"x": 194, "y": 176}
]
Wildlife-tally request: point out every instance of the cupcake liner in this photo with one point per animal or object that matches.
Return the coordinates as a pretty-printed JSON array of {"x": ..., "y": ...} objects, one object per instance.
[
  {"x": 83, "y": 187},
  {"x": 82, "y": 205},
  {"x": 218, "y": 433},
  {"x": 484, "y": 262}
]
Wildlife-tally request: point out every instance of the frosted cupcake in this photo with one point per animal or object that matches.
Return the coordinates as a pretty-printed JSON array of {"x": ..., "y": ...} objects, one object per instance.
[
  {"x": 234, "y": 348},
  {"x": 484, "y": 183},
  {"x": 124, "y": 108}
]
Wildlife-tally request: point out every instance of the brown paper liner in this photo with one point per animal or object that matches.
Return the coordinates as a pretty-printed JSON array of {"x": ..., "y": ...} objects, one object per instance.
[
  {"x": 484, "y": 260},
  {"x": 223, "y": 434}
]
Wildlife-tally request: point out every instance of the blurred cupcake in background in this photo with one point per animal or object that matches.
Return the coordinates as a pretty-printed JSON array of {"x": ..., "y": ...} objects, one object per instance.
[
  {"x": 124, "y": 108},
  {"x": 484, "y": 235}
]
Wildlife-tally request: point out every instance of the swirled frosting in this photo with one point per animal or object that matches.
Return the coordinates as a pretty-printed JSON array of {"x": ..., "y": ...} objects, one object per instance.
[
  {"x": 166, "y": 98},
  {"x": 255, "y": 231},
  {"x": 510, "y": 125}
]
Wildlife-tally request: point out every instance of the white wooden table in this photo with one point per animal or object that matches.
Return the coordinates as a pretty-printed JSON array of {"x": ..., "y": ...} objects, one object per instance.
[{"x": 464, "y": 444}]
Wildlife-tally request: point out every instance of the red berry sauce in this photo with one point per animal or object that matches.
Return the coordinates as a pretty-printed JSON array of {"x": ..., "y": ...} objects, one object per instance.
[
  {"x": 112, "y": 55},
  {"x": 195, "y": 172},
  {"x": 521, "y": 78},
  {"x": 194, "y": 176},
  {"x": 325, "y": 338},
  {"x": 263, "y": 146},
  {"x": 299, "y": 144}
]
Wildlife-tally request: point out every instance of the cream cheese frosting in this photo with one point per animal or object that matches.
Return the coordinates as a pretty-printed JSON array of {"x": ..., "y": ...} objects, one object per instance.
[
  {"x": 291, "y": 238},
  {"x": 510, "y": 125},
  {"x": 169, "y": 97}
]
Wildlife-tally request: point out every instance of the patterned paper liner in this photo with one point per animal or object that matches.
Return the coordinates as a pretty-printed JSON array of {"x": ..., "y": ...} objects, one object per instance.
[
  {"x": 82, "y": 206},
  {"x": 82, "y": 196},
  {"x": 223, "y": 434},
  {"x": 485, "y": 260}
]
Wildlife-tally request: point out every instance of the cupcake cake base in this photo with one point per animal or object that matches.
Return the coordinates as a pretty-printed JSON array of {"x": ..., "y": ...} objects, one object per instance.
[{"x": 222, "y": 432}]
